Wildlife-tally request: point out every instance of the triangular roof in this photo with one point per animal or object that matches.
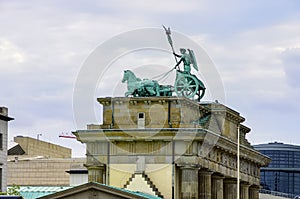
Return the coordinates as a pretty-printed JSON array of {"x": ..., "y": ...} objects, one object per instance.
[{"x": 114, "y": 191}]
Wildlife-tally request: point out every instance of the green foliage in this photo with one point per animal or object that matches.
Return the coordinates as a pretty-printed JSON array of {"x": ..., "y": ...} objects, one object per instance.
[{"x": 14, "y": 190}]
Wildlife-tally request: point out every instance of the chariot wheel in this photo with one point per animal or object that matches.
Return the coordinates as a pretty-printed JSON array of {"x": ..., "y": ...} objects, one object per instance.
[{"x": 186, "y": 86}]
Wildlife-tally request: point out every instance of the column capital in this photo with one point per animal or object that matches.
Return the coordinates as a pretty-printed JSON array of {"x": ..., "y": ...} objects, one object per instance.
[
  {"x": 189, "y": 166},
  {"x": 254, "y": 187},
  {"x": 205, "y": 172},
  {"x": 217, "y": 176},
  {"x": 230, "y": 180},
  {"x": 244, "y": 184},
  {"x": 93, "y": 166}
]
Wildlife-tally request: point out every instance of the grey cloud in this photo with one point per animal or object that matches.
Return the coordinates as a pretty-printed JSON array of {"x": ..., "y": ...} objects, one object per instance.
[{"x": 291, "y": 64}]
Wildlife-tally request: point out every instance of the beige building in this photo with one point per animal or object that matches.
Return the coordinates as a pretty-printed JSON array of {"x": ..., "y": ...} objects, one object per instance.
[
  {"x": 4, "y": 119},
  {"x": 34, "y": 162},
  {"x": 173, "y": 148},
  {"x": 31, "y": 147}
]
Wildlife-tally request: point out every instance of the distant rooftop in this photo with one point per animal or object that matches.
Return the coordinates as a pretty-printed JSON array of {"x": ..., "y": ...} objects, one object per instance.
[
  {"x": 34, "y": 147},
  {"x": 32, "y": 192},
  {"x": 276, "y": 146}
]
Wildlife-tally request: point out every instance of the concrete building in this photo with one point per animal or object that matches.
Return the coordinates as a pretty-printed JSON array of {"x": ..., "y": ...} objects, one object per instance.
[
  {"x": 4, "y": 119},
  {"x": 283, "y": 173},
  {"x": 33, "y": 162},
  {"x": 173, "y": 148},
  {"x": 31, "y": 147},
  {"x": 40, "y": 171}
]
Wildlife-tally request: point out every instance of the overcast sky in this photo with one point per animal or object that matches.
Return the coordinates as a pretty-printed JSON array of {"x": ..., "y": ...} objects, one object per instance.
[{"x": 255, "y": 46}]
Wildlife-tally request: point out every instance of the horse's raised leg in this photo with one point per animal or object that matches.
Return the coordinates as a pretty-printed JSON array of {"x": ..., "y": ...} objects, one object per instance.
[{"x": 157, "y": 90}]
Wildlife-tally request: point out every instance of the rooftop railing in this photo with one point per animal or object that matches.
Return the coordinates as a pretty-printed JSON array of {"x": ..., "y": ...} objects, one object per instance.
[{"x": 280, "y": 194}]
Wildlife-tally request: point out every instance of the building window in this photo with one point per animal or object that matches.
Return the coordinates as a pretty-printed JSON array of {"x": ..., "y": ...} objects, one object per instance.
[
  {"x": 141, "y": 120},
  {"x": 1, "y": 141},
  {"x": 141, "y": 115}
]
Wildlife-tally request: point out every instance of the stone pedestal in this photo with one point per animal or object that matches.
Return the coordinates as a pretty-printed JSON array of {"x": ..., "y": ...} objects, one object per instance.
[
  {"x": 254, "y": 192},
  {"x": 205, "y": 184},
  {"x": 244, "y": 191},
  {"x": 217, "y": 187},
  {"x": 189, "y": 183},
  {"x": 230, "y": 188},
  {"x": 96, "y": 174}
]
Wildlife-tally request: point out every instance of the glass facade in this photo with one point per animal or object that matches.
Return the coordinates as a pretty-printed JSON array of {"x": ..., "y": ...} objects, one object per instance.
[{"x": 283, "y": 173}]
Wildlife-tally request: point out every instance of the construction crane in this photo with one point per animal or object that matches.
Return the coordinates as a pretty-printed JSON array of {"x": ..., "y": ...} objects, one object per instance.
[{"x": 66, "y": 135}]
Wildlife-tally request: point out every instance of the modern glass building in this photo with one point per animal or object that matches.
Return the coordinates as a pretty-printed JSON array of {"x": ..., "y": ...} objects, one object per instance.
[{"x": 283, "y": 173}]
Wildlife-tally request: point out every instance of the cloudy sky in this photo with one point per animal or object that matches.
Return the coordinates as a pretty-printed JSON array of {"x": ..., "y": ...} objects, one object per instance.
[{"x": 255, "y": 47}]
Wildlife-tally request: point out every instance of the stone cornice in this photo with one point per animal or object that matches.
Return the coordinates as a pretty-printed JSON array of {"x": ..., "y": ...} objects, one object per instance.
[
  {"x": 220, "y": 109},
  {"x": 134, "y": 100},
  {"x": 170, "y": 134},
  {"x": 244, "y": 129},
  {"x": 245, "y": 152}
]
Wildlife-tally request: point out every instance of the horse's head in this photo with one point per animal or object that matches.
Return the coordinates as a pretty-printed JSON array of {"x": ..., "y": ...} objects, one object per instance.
[
  {"x": 128, "y": 76},
  {"x": 125, "y": 76}
]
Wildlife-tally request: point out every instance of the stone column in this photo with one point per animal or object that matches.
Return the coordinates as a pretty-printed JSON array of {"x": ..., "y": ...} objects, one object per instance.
[
  {"x": 217, "y": 187},
  {"x": 96, "y": 174},
  {"x": 230, "y": 188},
  {"x": 244, "y": 191},
  {"x": 189, "y": 182},
  {"x": 205, "y": 184},
  {"x": 254, "y": 192}
]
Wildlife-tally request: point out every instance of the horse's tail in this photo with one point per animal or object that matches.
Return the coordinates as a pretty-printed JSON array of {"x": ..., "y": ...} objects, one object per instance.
[
  {"x": 202, "y": 94},
  {"x": 201, "y": 87}
]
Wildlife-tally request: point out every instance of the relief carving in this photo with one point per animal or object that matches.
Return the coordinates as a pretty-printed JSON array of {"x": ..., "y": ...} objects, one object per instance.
[{"x": 224, "y": 159}]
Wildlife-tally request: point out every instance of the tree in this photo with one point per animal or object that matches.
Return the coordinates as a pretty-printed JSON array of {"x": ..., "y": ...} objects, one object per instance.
[{"x": 14, "y": 190}]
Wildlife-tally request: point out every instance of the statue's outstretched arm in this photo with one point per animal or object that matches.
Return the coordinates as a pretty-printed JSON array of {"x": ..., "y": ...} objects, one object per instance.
[{"x": 176, "y": 54}]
